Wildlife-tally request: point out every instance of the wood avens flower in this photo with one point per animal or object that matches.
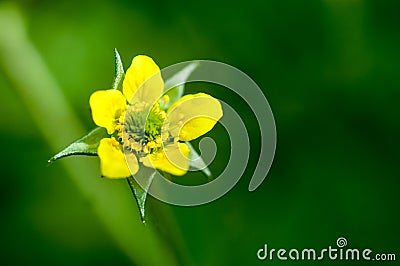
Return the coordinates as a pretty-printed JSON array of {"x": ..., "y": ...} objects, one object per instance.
[
  {"x": 140, "y": 129},
  {"x": 143, "y": 134}
]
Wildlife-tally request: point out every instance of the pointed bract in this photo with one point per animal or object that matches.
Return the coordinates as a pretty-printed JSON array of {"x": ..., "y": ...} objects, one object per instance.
[{"x": 86, "y": 145}]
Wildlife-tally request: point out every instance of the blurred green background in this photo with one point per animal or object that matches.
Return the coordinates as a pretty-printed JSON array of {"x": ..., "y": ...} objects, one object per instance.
[{"x": 329, "y": 70}]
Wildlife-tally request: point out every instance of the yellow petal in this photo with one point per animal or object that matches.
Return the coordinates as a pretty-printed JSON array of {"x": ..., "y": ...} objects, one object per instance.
[
  {"x": 193, "y": 115},
  {"x": 112, "y": 161},
  {"x": 107, "y": 106},
  {"x": 172, "y": 159},
  {"x": 143, "y": 80}
]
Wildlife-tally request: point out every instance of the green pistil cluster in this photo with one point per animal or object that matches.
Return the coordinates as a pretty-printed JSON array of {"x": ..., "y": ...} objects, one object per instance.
[{"x": 141, "y": 131}]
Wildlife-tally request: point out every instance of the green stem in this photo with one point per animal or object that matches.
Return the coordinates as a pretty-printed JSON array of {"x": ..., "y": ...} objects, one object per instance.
[{"x": 43, "y": 98}]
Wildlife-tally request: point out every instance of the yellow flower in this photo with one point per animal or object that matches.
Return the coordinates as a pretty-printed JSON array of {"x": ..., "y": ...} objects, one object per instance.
[{"x": 141, "y": 132}]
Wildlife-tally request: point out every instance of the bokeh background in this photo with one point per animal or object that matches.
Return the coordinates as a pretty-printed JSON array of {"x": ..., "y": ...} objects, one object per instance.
[{"x": 328, "y": 68}]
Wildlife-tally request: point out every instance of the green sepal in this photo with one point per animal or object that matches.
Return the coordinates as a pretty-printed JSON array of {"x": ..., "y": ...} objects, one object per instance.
[
  {"x": 176, "y": 93},
  {"x": 87, "y": 145},
  {"x": 119, "y": 72},
  {"x": 145, "y": 177},
  {"x": 196, "y": 162}
]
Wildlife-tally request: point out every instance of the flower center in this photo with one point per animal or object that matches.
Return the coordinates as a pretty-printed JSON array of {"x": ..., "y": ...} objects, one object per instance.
[{"x": 141, "y": 129}]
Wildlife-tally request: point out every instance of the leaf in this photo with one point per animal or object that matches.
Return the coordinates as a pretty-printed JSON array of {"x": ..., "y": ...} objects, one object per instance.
[
  {"x": 87, "y": 145},
  {"x": 145, "y": 177},
  {"x": 119, "y": 71},
  {"x": 196, "y": 162},
  {"x": 179, "y": 78}
]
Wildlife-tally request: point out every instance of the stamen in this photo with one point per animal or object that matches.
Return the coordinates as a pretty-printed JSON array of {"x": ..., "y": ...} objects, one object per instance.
[{"x": 166, "y": 99}]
